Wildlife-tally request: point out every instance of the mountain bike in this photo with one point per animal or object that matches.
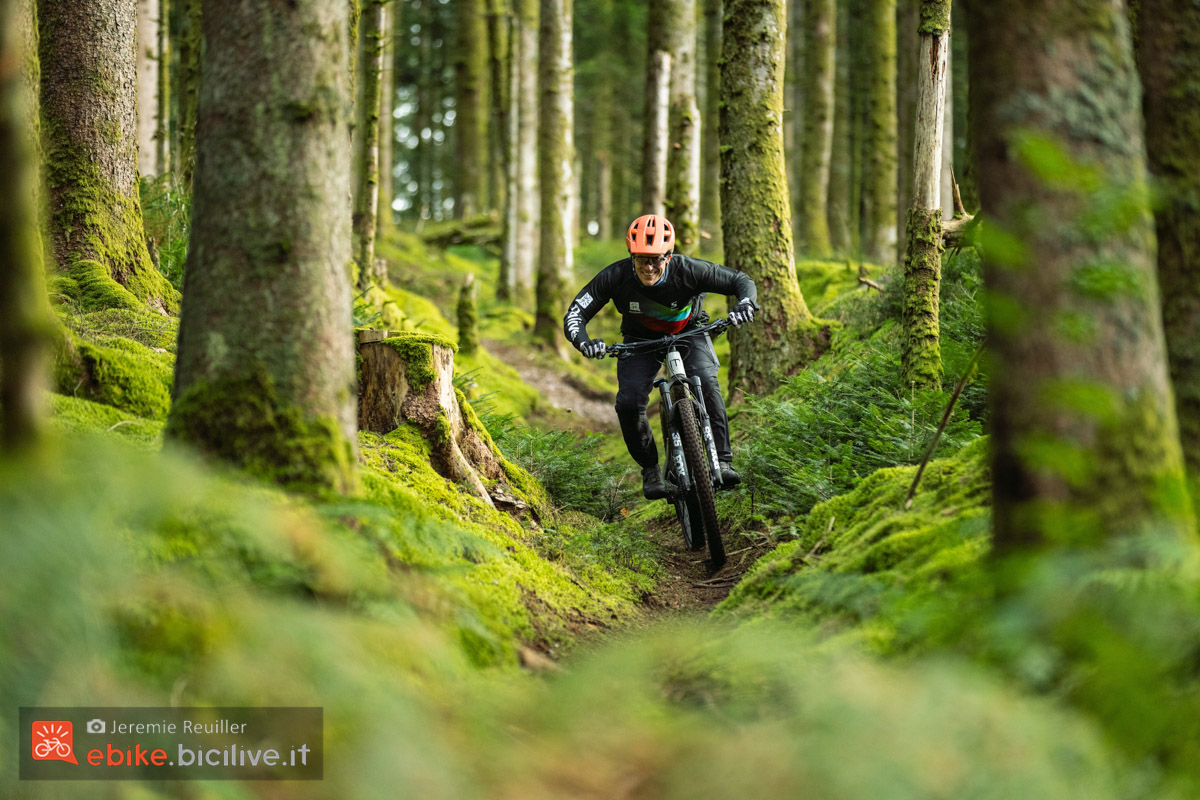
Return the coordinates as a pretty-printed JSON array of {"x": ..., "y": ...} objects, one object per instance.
[{"x": 692, "y": 463}]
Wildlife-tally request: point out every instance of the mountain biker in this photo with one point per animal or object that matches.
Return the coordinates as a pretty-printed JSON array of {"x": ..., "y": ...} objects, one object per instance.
[{"x": 658, "y": 293}]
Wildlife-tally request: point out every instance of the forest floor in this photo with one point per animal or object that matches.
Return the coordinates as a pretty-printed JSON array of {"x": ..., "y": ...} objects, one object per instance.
[{"x": 592, "y": 410}]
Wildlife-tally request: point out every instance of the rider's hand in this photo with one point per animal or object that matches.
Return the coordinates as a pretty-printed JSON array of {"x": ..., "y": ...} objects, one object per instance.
[
  {"x": 593, "y": 348},
  {"x": 742, "y": 313}
]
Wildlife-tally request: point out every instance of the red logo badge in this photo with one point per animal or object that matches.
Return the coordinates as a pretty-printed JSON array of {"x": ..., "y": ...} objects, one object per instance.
[{"x": 54, "y": 740}]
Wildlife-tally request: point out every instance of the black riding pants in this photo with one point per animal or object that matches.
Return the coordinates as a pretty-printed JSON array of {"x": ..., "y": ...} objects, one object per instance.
[{"x": 635, "y": 380}]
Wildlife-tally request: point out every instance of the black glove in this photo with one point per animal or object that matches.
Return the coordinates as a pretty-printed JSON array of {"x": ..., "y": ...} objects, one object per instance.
[
  {"x": 742, "y": 313},
  {"x": 593, "y": 348}
]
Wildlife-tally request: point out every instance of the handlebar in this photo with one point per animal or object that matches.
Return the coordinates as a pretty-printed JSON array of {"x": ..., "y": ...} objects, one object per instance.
[{"x": 627, "y": 348}]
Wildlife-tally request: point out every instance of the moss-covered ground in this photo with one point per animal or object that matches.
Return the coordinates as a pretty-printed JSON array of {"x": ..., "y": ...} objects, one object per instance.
[{"x": 869, "y": 655}]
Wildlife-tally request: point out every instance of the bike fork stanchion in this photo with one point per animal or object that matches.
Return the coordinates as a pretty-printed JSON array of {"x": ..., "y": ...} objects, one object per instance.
[
  {"x": 671, "y": 436},
  {"x": 710, "y": 444}
]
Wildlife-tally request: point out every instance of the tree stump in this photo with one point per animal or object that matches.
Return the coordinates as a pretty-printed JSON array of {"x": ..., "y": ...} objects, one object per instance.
[{"x": 408, "y": 377}]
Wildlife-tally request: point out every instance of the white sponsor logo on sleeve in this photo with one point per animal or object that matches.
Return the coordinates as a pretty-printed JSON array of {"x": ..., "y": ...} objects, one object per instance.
[{"x": 584, "y": 301}]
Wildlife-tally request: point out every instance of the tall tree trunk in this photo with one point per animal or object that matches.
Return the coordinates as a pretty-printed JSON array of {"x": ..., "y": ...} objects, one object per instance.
[
  {"x": 756, "y": 214},
  {"x": 425, "y": 151},
  {"x": 187, "y": 90},
  {"x": 820, "y": 22},
  {"x": 921, "y": 356},
  {"x": 1169, "y": 57},
  {"x": 948, "y": 138},
  {"x": 162, "y": 130},
  {"x": 529, "y": 202},
  {"x": 860, "y": 56},
  {"x": 506, "y": 280},
  {"x": 710, "y": 186},
  {"x": 385, "y": 223},
  {"x": 265, "y": 373},
  {"x": 964, "y": 152},
  {"x": 149, "y": 15},
  {"x": 683, "y": 156},
  {"x": 880, "y": 163},
  {"x": 89, "y": 124},
  {"x": 25, "y": 319},
  {"x": 470, "y": 118},
  {"x": 841, "y": 151},
  {"x": 1084, "y": 435},
  {"x": 556, "y": 156},
  {"x": 793, "y": 87},
  {"x": 907, "y": 69},
  {"x": 655, "y": 133},
  {"x": 497, "y": 127},
  {"x": 602, "y": 133},
  {"x": 373, "y": 26}
]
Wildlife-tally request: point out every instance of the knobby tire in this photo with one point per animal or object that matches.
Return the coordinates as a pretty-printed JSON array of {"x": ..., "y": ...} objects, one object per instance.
[
  {"x": 696, "y": 456},
  {"x": 687, "y": 511}
]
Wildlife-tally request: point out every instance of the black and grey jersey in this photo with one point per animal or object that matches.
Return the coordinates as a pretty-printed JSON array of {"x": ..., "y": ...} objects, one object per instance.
[{"x": 650, "y": 312}]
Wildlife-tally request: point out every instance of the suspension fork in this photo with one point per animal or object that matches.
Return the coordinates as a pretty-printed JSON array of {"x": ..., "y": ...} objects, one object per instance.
[
  {"x": 710, "y": 443},
  {"x": 672, "y": 438}
]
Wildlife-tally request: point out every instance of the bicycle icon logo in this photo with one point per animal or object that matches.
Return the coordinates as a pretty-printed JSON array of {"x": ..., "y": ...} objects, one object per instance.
[{"x": 54, "y": 740}]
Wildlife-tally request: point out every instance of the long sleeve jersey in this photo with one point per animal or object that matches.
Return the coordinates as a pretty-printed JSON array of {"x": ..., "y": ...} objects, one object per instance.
[{"x": 651, "y": 312}]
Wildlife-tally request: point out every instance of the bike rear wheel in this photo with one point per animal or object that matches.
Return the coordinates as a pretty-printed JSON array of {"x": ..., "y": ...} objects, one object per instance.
[{"x": 696, "y": 456}]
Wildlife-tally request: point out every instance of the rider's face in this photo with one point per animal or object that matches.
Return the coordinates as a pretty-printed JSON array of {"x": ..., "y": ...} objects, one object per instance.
[{"x": 650, "y": 269}]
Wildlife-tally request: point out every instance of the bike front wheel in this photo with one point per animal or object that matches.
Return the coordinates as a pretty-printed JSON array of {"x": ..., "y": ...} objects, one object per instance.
[{"x": 701, "y": 496}]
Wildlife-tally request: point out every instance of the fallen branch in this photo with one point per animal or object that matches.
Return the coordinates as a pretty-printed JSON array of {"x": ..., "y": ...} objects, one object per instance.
[
  {"x": 962, "y": 384},
  {"x": 868, "y": 282}
]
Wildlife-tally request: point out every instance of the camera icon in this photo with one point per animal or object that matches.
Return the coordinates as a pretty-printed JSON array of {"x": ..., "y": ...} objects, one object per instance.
[{"x": 95, "y": 726}]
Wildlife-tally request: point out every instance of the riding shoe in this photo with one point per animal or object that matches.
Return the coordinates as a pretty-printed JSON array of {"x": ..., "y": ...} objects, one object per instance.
[
  {"x": 653, "y": 485},
  {"x": 729, "y": 476}
]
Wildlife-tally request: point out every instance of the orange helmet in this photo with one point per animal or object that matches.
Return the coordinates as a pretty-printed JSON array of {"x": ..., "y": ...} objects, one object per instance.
[{"x": 650, "y": 235}]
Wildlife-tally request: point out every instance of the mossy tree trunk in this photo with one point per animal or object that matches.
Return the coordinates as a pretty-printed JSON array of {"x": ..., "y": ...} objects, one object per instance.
[
  {"x": 506, "y": 281},
  {"x": 372, "y": 27},
  {"x": 187, "y": 90},
  {"x": 907, "y": 72},
  {"x": 162, "y": 128},
  {"x": 921, "y": 356},
  {"x": 964, "y": 153},
  {"x": 497, "y": 127},
  {"x": 556, "y": 157},
  {"x": 265, "y": 372},
  {"x": 1084, "y": 435},
  {"x": 793, "y": 113},
  {"x": 655, "y": 131},
  {"x": 468, "y": 318},
  {"x": 25, "y": 318},
  {"x": 89, "y": 131},
  {"x": 880, "y": 162},
  {"x": 820, "y": 23},
  {"x": 528, "y": 195},
  {"x": 756, "y": 216},
  {"x": 385, "y": 223},
  {"x": 1169, "y": 58},
  {"x": 710, "y": 143},
  {"x": 859, "y": 58},
  {"x": 841, "y": 149},
  {"x": 470, "y": 118},
  {"x": 683, "y": 154}
]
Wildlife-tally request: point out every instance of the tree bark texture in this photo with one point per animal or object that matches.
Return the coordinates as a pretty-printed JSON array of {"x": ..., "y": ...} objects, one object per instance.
[
  {"x": 25, "y": 319},
  {"x": 656, "y": 132},
  {"x": 793, "y": 107},
  {"x": 385, "y": 223},
  {"x": 89, "y": 127},
  {"x": 1085, "y": 443},
  {"x": 1169, "y": 57},
  {"x": 841, "y": 152},
  {"x": 908, "y": 52},
  {"x": 948, "y": 138},
  {"x": 497, "y": 127},
  {"x": 880, "y": 163},
  {"x": 756, "y": 213},
  {"x": 187, "y": 90},
  {"x": 149, "y": 15},
  {"x": 470, "y": 115},
  {"x": 372, "y": 28},
  {"x": 820, "y": 23},
  {"x": 265, "y": 372},
  {"x": 529, "y": 202},
  {"x": 556, "y": 157},
  {"x": 921, "y": 356},
  {"x": 710, "y": 143},
  {"x": 683, "y": 156}
]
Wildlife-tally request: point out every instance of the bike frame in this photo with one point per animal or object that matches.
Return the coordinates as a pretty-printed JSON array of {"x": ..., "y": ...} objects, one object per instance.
[{"x": 676, "y": 374}]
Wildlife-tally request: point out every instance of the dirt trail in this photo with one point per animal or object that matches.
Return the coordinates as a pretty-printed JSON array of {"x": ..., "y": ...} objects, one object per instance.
[{"x": 592, "y": 410}]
